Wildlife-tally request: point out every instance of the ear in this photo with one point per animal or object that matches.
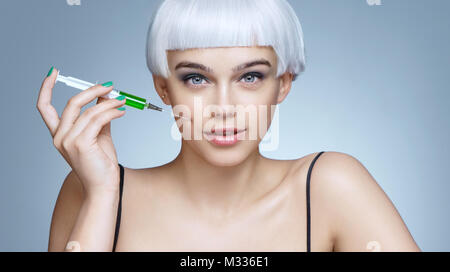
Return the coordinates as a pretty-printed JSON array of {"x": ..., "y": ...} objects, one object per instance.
[
  {"x": 161, "y": 88},
  {"x": 285, "y": 86}
]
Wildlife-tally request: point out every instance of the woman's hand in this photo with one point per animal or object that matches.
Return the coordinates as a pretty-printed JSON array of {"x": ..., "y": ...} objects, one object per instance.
[{"x": 85, "y": 140}]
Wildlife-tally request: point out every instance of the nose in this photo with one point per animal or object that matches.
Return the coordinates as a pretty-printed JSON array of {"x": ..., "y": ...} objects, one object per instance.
[
  {"x": 223, "y": 112},
  {"x": 225, "y": 107}
]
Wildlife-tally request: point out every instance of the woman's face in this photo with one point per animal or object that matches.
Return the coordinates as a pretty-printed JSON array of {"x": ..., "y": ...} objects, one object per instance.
[{"x": 214, "y": 89}]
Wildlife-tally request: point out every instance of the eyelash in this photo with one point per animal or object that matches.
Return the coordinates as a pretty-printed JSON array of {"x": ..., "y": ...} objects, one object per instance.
[{"x": 190, "y": 76}]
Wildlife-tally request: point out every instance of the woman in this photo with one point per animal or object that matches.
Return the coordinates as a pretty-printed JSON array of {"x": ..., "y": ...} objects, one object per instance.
[{"x": 219, "y": 193}]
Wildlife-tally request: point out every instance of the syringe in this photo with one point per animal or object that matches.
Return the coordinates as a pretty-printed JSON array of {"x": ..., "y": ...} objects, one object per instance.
[{"x": 131, "y": 100}]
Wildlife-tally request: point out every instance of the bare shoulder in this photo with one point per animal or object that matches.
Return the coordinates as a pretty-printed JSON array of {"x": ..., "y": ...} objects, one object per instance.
[
  {"x": 66, "y": 209},
  {"x": 337, "y": 174},
  {"x": 150, "y": 180},
  {"x": 149, "y": 175},
  {"x": 363, "y": 216},
  {"x": 71, "y": 196}
]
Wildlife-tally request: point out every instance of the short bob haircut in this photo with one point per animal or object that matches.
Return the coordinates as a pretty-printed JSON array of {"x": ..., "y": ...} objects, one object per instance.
[{"x": 187, "y": 24}]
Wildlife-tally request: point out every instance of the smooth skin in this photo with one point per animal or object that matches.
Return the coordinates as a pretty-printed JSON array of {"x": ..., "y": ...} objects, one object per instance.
[{"x": 213, "y": 198}]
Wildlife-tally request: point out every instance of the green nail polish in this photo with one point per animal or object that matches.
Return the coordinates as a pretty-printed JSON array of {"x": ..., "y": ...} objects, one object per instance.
[
  {"x": 122, "y": 97},
  {"x": 121, "y": 108},
  {"x": 50, "y": 72},
  {"x": 107, "y": 84}
]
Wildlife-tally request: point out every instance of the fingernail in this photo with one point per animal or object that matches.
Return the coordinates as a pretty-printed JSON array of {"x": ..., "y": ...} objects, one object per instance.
[
  {"x": 122, "y": 97},
  {"x": 50, "y": 72},
  {"x": 121, "y": 108},
  {"x": 107, "y": 84}
]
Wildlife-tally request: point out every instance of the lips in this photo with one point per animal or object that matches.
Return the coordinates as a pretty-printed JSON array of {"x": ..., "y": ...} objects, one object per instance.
[
  {"x": 224, "y": 136},
  {"x": 224, "y": 131}
]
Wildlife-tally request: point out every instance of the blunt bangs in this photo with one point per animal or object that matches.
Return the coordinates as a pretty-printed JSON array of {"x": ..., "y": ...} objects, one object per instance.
[{"x": 190, "y": 24}]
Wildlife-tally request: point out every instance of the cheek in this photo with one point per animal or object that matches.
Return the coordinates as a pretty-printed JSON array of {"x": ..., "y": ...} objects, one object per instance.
[
  {"x": 266, "y": 94},
  {"x": 262, "y": 98},
  {"x": 264, "y": 102}
]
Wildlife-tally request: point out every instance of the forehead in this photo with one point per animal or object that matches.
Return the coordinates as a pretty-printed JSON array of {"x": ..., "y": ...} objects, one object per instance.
[{"x": 222, "y": 57}]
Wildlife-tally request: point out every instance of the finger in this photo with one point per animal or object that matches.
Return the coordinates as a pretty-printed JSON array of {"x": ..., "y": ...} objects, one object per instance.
[
  {"x": 106, "y": 130},
  {"x": 73, "y": 108},
  {"x": 90, "y": 115},
  {"x": 44, "y": 106},
  {"x": 99, "y": 121},
  {"x": 101, "y": 99}
]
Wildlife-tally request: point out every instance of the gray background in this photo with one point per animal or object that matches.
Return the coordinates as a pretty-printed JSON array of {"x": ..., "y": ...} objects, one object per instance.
[{"x": 375, "y": 87}]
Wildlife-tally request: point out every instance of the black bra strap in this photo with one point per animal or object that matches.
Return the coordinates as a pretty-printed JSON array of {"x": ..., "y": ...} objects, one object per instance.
[
  {"x": 119, "y": 210},
  {"x": 308, "y": 204}
]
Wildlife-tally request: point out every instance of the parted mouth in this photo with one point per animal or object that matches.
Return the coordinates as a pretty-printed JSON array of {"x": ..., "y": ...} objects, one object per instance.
[{"x": 224, "y": 131}]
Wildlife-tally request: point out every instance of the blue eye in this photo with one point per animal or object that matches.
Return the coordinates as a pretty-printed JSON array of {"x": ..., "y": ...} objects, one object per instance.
[
  {"x": 252, "y": 75},
  {"x": 197, "y": 79}
]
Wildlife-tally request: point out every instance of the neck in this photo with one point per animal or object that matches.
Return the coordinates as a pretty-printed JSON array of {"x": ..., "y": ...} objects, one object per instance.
[{"x": 221, "y": 190}]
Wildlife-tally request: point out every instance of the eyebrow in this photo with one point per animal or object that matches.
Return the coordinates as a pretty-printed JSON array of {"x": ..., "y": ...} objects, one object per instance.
[{"x": 235, "y": 69}]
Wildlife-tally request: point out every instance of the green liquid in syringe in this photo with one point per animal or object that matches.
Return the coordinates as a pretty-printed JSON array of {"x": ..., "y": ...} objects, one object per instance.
[{"x": 133, "y": 103}]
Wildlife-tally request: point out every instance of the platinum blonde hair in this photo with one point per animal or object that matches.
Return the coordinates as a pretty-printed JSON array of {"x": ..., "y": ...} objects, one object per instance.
[{"x": 187, "y": 24}]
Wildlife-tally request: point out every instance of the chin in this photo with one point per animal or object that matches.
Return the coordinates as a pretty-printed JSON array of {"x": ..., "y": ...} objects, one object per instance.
[{"x": 226, "y": 155}]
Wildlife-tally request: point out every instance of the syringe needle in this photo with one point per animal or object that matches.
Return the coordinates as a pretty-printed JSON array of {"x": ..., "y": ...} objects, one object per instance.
[
  {"x": 173, "y": 114},
  {"x": 154, "y": 107}
]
